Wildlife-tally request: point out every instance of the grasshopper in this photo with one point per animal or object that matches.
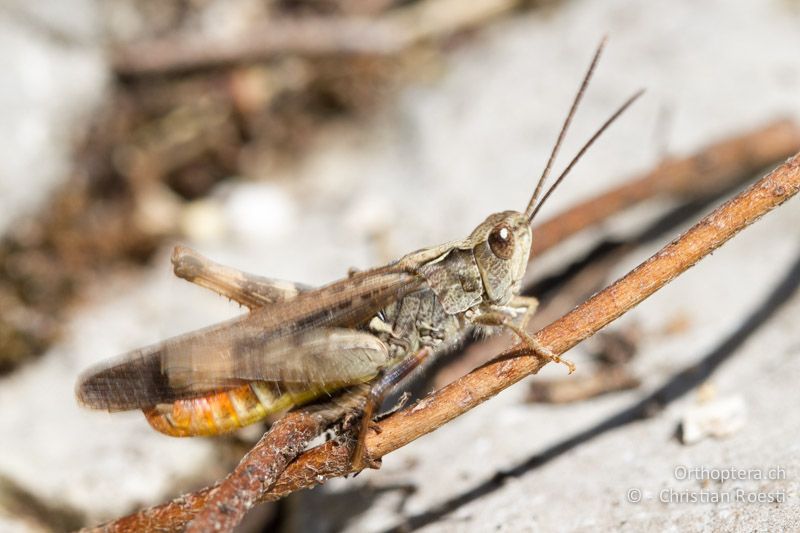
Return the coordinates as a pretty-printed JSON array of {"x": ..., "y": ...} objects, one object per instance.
[{"x": 298, "y": 343}]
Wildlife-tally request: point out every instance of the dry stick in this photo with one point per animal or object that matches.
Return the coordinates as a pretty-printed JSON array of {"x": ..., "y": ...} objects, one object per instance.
[
  {"x": 709, "y": 171},
  {"x": 258, "y": 470},
  {"x": 285, "y": 440},
  {"x": 221, "y": 507},
  {"x": 332, "y": 460},
  {"x": 365, "y": 7},
  {"x": 605, "y": 380},
  {"x": 573, "y": 291},
  {"x": 438, "y": 408},
  {"x": 312, "y": 36}
]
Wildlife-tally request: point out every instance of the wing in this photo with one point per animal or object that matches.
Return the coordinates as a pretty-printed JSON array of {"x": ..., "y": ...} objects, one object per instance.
[
  {"x": 284, "y": 342},
  {"x": 322, "y": 358}
]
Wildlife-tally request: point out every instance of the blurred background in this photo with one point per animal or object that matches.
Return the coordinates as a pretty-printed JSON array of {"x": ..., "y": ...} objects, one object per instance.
[{"x": 298, "y": 138}]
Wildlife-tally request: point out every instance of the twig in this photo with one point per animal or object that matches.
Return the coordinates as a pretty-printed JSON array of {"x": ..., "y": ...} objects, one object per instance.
[
  {"x": 239, "y": 491},
  {"x": 365, "y": 7},
  {"x": 258, "y": 470},
  {"x": 221, "y": 507},
  {"x": 573, "y": 291},
  {"x": 310, "y": 36},
  {"x": 330, "y": 460},
  {"x": 604, "y": 380},
  {"x": 440, "y": 407},
  {"x": 710, "y": 171}
]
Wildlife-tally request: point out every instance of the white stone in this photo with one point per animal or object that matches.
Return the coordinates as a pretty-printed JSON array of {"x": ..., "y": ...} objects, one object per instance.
[
  {"x": 717, "y": 418},
  {"x": 259, "y": 213}
]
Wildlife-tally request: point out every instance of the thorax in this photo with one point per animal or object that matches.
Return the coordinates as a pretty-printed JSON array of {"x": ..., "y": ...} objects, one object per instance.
[{"x": 416, "y": 321}]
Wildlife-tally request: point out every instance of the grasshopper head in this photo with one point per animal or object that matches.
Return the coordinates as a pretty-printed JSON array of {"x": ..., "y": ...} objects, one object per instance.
[{"x": 501, "y": 245}]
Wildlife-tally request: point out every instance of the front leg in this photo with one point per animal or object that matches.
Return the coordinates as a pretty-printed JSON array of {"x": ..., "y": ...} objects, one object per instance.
[
  {"x": 508, "y": 317},
  {"x": 522, "y": 308}
]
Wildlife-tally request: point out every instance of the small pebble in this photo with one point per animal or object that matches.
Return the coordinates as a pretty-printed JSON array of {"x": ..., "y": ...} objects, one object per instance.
[
  {"x": 203, "y": 221},
  {"x": 716, "y": 418},
  {"x": 259, "y": 212}
]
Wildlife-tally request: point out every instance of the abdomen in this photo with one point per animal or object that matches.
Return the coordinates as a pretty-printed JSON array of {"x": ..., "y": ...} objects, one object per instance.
[{"x": 223, "y": 412}]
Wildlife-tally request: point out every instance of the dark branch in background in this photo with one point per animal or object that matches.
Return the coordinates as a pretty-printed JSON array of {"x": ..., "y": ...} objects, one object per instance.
[
  {"x": 696, "y": 179},
  {"x": 332, "y": 460},
  {"x": 708, "y": 172},
  {"x": 387, "y": 34}
]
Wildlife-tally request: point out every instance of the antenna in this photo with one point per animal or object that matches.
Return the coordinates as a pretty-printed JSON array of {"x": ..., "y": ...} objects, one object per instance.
[
  {"x": 576, "y": 101},
  {"x": 585, "y": 147}
]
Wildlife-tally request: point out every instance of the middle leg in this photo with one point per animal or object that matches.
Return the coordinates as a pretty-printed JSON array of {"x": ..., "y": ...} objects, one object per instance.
[{"x": 392, "y": 377}]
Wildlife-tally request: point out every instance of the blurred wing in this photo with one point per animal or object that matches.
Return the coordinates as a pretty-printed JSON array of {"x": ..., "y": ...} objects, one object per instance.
[
  {"x": 324, "y": 358},
  {"x": 301, "y": 340}
]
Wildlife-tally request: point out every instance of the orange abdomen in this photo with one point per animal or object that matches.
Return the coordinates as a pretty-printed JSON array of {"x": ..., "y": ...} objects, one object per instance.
[{"x": 223, "y": 412}]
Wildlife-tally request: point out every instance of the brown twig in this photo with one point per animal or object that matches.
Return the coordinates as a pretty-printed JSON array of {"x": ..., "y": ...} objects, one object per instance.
[
  {"x": 365, "y": 7},
  {"x": 332, "y": 460},
  {"x": 258, "y": 470},
  {"x": 473, "y": 389},
  {"x": 573, "y": 291},
  {"x": 309, "y": 36},
  {"x": 239, "y": 491},
  {"x": 708, "y": 172},
  {"x": 221, "y": 507},
  {"x": 604, "y": 380}
]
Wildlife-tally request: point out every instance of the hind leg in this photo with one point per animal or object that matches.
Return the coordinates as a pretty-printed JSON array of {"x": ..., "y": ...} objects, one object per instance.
[{"x": 249, "y": 290}]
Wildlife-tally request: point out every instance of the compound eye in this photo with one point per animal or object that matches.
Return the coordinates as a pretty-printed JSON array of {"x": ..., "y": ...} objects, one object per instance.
[{"x": 501, "y": 241}]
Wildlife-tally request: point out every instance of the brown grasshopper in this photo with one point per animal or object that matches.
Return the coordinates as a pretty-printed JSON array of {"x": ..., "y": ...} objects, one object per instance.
[{"x": 300, "y": 343}]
